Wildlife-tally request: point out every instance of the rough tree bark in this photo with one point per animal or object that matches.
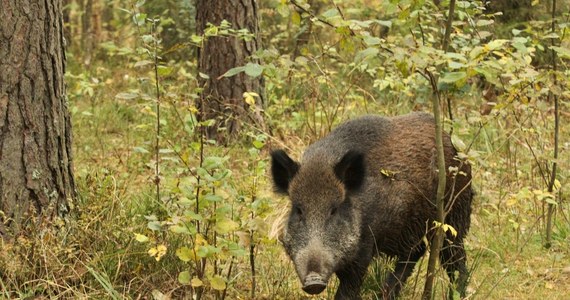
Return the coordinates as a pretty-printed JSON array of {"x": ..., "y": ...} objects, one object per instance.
[
  {"x": 36, "y": 178},
  {"x": 222, "y": 99}
]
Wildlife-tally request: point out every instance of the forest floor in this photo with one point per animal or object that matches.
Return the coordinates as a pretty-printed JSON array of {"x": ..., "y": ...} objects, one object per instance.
[
  {"x": 505, "y": 244},
  {"x": 98, "y": 255}
]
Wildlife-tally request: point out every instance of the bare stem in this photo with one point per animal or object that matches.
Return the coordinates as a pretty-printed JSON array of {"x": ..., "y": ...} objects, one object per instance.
[
  {"x": 550, "y": 211},
  {"x": 436, "y": 242},
  {"x": 157, "y": 145}
]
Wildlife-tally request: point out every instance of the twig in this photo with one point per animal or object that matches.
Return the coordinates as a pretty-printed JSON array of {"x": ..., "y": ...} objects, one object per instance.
[{"x": 157, "y": 145}]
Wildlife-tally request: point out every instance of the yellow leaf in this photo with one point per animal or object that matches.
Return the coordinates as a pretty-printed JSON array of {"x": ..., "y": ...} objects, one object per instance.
[
  {"x": 141, "y": 238},
  {"x": 200, "y": 240},
  {"x": 157, "y": 252},
  {"x": 447, "y": 227},
  {"x": 196, "y": 282},
  {"x": 557, "y": 184},
  {"x": 244, "y": 238},
  {"x": 388, "y": 173},
  {"x": 512, "y": 201},
  {"x": 193, "y": 109},
  {"x": 249, "y": 98},
  {"x": 295, "y": 18}
]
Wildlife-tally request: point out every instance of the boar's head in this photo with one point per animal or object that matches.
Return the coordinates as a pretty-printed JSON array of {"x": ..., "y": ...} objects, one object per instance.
[{"x": 324, "y": 226}]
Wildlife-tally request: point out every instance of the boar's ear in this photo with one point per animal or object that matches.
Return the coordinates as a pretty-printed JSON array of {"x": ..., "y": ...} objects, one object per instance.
[
  {"x": 283, "y": 169},
  {"x": 350, "y": 170}
]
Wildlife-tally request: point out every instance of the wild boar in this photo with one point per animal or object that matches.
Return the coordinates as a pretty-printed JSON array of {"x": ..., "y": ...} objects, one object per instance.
[{"x": 369, "y": 187}]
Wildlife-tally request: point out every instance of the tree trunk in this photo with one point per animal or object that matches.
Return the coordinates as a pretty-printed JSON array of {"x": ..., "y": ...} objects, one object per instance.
[
  {"x": 87, "y": 30},
  {"x": 513, "y": 10},
  {"x": 36, "y": 178},
  {"x": 222, "y": 99}
]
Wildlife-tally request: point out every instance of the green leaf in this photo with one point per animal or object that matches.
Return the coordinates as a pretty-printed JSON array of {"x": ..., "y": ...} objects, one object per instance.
[
  {"x": 139, "y": 19},
  {"x": 562, "y": 52},
  {"x": 463, "y": 4},
  {"x": 140, "y": 150},
  {"x": 455, "y": 56},
  {"x": 552, "y": 35},
  {"x": 476, "y": 52},
  {"x": 213, "y": 162},
  {"x": 452, "y": 77},
  {"x": 283, "y": 9},
  {"x": 551, "y": 201},
  {"x": 333, "y": 12},
  {"x": 182, "y": 229},
  {"x": 258, "y": 144},
  {"x": 127, "y": 96},
  {"x": 366, "y": 53},
  {"x": 154, "y": 225},
  {"x": 495, "y": 44},
  {"x": 371, "y": 40},
  {"x": 184, "y": 277},
  {"x": 483, "y": 22},
  {"x": 384, "y": 23},
  {"x": 218, "y": 283},
  {"x": 206, "y": 251},
  {"x": 224, "y": 226},
  {"x": 212, "y": 198},
  {"x": 233, "y": 71},
  {"x": 192, "y": 215},
  {"x": 196, "y": 39},
  {"x": 158, "y": 295},
  {"x": 164, "y": 70},
  {"x": 185, "y": 254},
  {"x": 253, "y": 69},
  {"x": 143, "y": 63},
  {"x": 202, "y": 251},
  {"x": 455, "y": 65}
]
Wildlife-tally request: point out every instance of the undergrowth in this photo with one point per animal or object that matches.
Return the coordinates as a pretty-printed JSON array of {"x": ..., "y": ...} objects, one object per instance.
[{"x": 213, "y": 229}]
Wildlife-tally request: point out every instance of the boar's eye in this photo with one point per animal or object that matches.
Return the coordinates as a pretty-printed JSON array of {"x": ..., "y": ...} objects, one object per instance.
[
  {"x": 333, "y": 211},
  {"x": 297, "y": 210}
]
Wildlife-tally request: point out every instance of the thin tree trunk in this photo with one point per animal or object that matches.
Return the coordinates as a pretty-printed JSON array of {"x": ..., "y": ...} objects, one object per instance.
[
  {"x": 437, "y": 240},
  {"x": 222, "y": 98},
  {"x": 36, "y": 178},
  {"x": 87, "y": 30}
]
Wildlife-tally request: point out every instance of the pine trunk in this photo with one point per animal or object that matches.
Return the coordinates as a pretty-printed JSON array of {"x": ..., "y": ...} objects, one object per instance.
[
  {"x": 222, "y": 99},
  {"x": 36, "y": 178}
]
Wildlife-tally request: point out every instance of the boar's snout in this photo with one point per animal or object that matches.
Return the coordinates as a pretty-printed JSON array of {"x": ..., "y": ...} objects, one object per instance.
[
  {"x": 315, "y": 266},
  {"x": 314, "y": 283}
]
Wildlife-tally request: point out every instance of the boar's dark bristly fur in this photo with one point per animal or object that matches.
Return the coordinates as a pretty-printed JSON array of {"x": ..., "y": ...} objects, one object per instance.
[{"x": 369, "y": 187}]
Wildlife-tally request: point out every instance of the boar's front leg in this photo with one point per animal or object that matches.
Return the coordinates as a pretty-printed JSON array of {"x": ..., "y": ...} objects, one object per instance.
[
  {"x": 350, "y": 279},
  {"x": 403, "y": 270},
  {"x": 352, "y": 275}
]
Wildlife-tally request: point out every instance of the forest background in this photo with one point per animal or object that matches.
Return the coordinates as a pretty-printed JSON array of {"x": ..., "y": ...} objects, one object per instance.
[{"x": 171, "y": 205}]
